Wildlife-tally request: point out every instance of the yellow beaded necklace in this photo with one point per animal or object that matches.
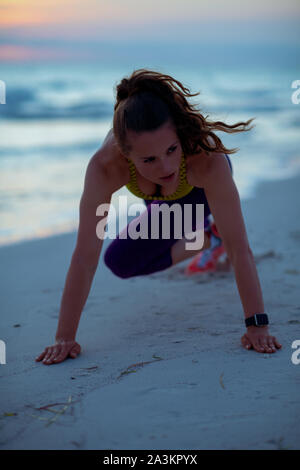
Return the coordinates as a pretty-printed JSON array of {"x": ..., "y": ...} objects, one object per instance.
[{"x": 182, "y": 190}]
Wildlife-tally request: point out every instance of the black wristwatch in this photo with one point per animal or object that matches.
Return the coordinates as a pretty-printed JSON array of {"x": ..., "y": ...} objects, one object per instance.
[{"x": 258, "y": 319}]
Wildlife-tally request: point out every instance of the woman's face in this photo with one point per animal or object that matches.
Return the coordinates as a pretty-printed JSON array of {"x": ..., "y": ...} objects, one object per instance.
[{"x": 156, "y": 153}]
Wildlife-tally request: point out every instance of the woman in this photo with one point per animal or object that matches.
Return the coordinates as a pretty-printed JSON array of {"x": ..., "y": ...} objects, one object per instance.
[{"x": 165, "y": 151}]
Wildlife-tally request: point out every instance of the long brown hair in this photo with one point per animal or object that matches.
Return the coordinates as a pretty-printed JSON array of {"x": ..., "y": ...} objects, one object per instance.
[{"x": 147, "y": 99}]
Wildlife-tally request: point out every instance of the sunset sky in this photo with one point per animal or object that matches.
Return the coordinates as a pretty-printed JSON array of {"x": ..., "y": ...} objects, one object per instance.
[{"x": 34, "y": 29}]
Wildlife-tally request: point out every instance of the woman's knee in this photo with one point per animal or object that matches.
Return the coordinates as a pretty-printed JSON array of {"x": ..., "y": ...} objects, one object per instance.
[{"x": 115, "y": 262}]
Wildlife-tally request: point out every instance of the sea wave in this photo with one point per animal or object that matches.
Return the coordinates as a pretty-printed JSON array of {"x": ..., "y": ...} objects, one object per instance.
[
  {"x": 37, "y": 103},
  {"x": 60, "y": 99}
]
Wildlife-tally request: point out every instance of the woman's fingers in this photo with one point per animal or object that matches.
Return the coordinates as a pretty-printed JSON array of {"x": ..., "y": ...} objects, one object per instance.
[
  {"x": 59, "y": 352},
  {"x": 276, "y": 343},
  {"x": 271, "y": 344},
  {"x": 246, "y": 342},
  {"x": 47, "y": 353},
  {"x": 267, "y": 344},
  {"x": 258, "y": 346},
  {"x": 61, "y": 356},
  {"x": 50, "y": 355},
  {"x": 254, "y": 343},
  {"x": 75, "y": 351},
  {"x": 41, "y": 356},
  {"x": 251, "y": 344},
  {"x": 77, "y": 348},
  {"x": 263, "y": 342}
]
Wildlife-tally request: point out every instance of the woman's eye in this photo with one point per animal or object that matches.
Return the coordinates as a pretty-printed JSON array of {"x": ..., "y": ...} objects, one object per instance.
[{"x": 149, "y": 160}]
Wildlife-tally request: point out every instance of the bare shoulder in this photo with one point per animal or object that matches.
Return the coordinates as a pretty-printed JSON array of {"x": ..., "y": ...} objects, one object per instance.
[
  {"x": 218, "y": 169},
  {"x": 203, "y": 169},
  {"x": 106, "y": 172},
  {"x": 197, "y": 166}
]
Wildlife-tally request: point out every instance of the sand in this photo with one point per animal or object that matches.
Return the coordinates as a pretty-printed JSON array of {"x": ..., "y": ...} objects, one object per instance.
[{"x": 161, "y": 366}]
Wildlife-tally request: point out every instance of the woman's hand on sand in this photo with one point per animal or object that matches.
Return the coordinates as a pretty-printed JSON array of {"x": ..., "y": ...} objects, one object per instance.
[
  {"x": 258, "y": 338},
  {"x": 59, "y": 352}
]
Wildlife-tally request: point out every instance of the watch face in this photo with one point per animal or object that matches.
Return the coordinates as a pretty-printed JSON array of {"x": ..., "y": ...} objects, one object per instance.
[{"x": 263, "y": 321}]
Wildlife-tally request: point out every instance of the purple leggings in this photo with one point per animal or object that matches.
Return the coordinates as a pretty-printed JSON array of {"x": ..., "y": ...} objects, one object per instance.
[{"x": 128, "y": 257}]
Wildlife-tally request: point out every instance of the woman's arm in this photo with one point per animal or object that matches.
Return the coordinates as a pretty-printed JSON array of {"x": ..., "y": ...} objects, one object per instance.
[
  {"x": 83, "y": 264},
  {"x": 86, "y": 253},
  {"x": 224, "y": 202}
]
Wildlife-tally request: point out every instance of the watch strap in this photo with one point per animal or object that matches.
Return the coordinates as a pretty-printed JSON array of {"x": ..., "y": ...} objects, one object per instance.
[{"x": 258, "y": 319}]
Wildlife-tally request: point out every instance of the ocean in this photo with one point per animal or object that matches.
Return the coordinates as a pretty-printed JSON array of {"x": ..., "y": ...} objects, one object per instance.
[{"x": 55, "y": 117}]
